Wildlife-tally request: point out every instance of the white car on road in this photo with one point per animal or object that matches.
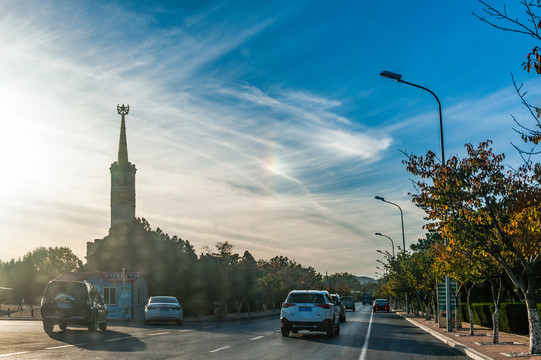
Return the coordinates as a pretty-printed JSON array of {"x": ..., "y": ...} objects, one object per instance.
[
  {"x": 312, "y": 310},
  {"x": 163, "y": 309}
]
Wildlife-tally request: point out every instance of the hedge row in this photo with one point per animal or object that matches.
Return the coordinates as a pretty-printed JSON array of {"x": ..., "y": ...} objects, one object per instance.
[{"x": 513, "y": 316}]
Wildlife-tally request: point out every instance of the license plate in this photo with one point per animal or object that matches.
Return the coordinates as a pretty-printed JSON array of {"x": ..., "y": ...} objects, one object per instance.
[
  {"x": 304, "y": 308},
  {"x": 63, "y": 305}
]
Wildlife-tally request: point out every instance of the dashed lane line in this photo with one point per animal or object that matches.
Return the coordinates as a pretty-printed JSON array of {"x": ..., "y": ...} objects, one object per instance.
[
  {"x": 120, "y": 338},
  {"x": 257, "y": 338},
  {"x": 13, "y": 354},
  {"x": 220, "y": 349},
  {"x": 61, "y": 346},
  {"x": 162, "y": 333}
]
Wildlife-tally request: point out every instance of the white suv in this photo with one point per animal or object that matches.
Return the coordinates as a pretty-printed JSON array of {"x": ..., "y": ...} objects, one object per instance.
[{"x": 312, "y": 310}]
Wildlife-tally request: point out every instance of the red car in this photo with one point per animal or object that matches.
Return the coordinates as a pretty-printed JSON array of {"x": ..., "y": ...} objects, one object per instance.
[{"x": 381, "y": 305}]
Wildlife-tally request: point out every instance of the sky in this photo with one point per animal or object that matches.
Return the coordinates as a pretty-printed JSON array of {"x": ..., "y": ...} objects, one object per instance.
[{"x": 262, "y": 123}]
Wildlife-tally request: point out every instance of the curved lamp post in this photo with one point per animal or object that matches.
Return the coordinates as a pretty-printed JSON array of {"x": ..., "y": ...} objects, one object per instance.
[
  {"x": 392, "y": 242},
  {"x": 401, "y": 218},
  {"x": 398, "y": 77}
]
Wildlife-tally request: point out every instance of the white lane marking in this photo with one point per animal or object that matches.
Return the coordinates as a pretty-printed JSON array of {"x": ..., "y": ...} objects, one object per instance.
[
  {"x": 162, "y": 333},
  {"x": 184, "y": 330},
  {"x": 365, "y": 345},
  {"x": 257, "y": 338},
  {"x": 222, "y": 348},
  {"x": 120, "y": 338},
  {"x": 12, "y": 354},
  {"x": 61, "y": 346}
]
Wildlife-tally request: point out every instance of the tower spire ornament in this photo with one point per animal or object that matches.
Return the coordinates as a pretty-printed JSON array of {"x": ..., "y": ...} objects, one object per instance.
[{"x": 123, "y": 110}]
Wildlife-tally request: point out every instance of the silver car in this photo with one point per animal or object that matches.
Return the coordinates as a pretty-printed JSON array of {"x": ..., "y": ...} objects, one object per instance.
[{"x": 163, "y": 309}]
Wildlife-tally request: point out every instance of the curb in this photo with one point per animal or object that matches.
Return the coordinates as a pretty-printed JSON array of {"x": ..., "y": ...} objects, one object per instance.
[{"x": 473, "y": 354}]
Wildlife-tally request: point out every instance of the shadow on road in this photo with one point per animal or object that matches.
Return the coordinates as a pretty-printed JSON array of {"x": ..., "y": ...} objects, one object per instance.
[{"x": 99, "y": 340}]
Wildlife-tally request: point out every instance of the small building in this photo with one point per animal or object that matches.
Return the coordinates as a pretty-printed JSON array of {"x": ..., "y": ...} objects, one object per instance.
[{"x": 124, "y": 292}]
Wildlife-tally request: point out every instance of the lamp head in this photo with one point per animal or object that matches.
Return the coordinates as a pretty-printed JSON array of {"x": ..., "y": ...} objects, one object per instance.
[
  {"x": 379, "y": 234},
  {"x": 379, "y": 198},
  {"x": 391, "y": 75}
]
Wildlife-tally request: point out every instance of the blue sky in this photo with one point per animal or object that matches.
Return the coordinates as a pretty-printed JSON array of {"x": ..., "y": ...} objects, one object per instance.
[{"x": 265, "y": 124}]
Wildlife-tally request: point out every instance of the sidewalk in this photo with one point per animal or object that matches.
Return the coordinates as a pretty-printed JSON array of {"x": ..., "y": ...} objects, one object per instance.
[{"x": 480, "y": 346}]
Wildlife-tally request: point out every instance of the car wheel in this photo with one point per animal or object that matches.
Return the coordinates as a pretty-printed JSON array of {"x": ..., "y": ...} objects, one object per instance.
[
  {"x": 295, "y": 331},
  {"x": 179, "y": 322},
  {"x": 285, "y": 332},
  {"x": 103, "y": 326},
  {"x": 93, "y": 323},
  {"x": 337, "y": 330},
  {"x": 147, "y": 322},
  {"x": 48, "y": 326},
  {"x": 63, "y": 326},
  {"x": 353, "y": 309},
  {"x": 331, "y": 330}
]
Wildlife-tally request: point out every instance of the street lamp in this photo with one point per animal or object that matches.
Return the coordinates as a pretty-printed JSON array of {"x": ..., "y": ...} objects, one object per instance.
[
  {"x": 401, "y": 218},
  {"x": 398, "y": 77},
  {"x": 392, "y": 242}
]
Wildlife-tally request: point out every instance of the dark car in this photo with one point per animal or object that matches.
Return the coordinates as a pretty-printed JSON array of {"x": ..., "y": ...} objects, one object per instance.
[
  {"x": 348, "y": 302},
  {"x": 381, "y": 305},
  {"x": 340, "y": 305},
  {"x": 72, "y": 303}
]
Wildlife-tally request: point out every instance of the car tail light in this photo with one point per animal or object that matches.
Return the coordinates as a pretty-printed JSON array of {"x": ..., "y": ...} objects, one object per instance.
[
  {"x": 323, "y": 306},
  {"x": 286, "y": 305}
]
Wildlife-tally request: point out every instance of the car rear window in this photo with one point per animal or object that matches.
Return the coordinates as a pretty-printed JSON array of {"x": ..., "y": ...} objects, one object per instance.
[
  {"x": 306, "y": 298},
  {"x": 164, "y": 300},
  {"x": 76, "y": 290},
  {"x": 381, "y": 302}
]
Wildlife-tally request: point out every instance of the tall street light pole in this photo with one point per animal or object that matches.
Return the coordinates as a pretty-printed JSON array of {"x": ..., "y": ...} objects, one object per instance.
[
  {"x": 392, "y": 243},
  {"x": 398, "y": 77},
  {"x": 401, "y": 218}
]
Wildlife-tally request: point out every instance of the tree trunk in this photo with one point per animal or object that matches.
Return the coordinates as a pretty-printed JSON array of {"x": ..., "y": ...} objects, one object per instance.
[
  {"x": 496, "y": 292},
  {"x": 470, "y": 308},
  {"x": 533, "y": 315},
  {"x": 496, "y": 325}
]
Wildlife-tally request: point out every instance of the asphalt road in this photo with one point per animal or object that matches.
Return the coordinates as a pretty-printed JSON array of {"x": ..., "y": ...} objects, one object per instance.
[{"x": 363, "y": 336}]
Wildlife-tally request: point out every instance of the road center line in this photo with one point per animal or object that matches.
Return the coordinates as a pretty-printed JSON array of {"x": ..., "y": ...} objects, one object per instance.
[
  {"x": 222, "y": 348},
  {"x": 12, "y": 354},
  {"x": 256, "y": 338},
  {"x": 162, "y": 333},
  {"x": 365, "y": 346}
]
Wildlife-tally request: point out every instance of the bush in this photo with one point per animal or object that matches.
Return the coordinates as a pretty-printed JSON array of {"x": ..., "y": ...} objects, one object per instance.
[{"x": 513, "y": 316}]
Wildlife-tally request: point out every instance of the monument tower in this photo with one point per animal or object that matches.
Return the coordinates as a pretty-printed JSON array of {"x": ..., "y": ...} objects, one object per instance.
[{"x": 122, "y": 178}]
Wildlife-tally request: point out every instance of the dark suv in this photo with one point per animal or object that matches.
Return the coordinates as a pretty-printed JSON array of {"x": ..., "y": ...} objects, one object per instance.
[{"x": 72, "y": 302}]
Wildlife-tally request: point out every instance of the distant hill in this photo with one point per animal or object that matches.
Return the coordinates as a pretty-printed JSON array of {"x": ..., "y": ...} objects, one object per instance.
[{"x": 364, "y": 279}]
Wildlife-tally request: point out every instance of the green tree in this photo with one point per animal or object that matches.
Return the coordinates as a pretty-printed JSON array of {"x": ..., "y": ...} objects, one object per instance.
[{"x": 476, "y": 194}]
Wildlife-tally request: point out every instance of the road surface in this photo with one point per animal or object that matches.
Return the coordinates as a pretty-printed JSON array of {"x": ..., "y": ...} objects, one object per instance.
[{"x": 363, "y": 336}]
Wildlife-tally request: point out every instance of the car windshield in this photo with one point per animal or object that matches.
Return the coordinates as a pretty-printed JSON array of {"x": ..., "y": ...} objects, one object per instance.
[
  {"x": 164, "y": 300},
  {"x": 76, "y": 290},
  {"x": 306, "y": 298}
]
